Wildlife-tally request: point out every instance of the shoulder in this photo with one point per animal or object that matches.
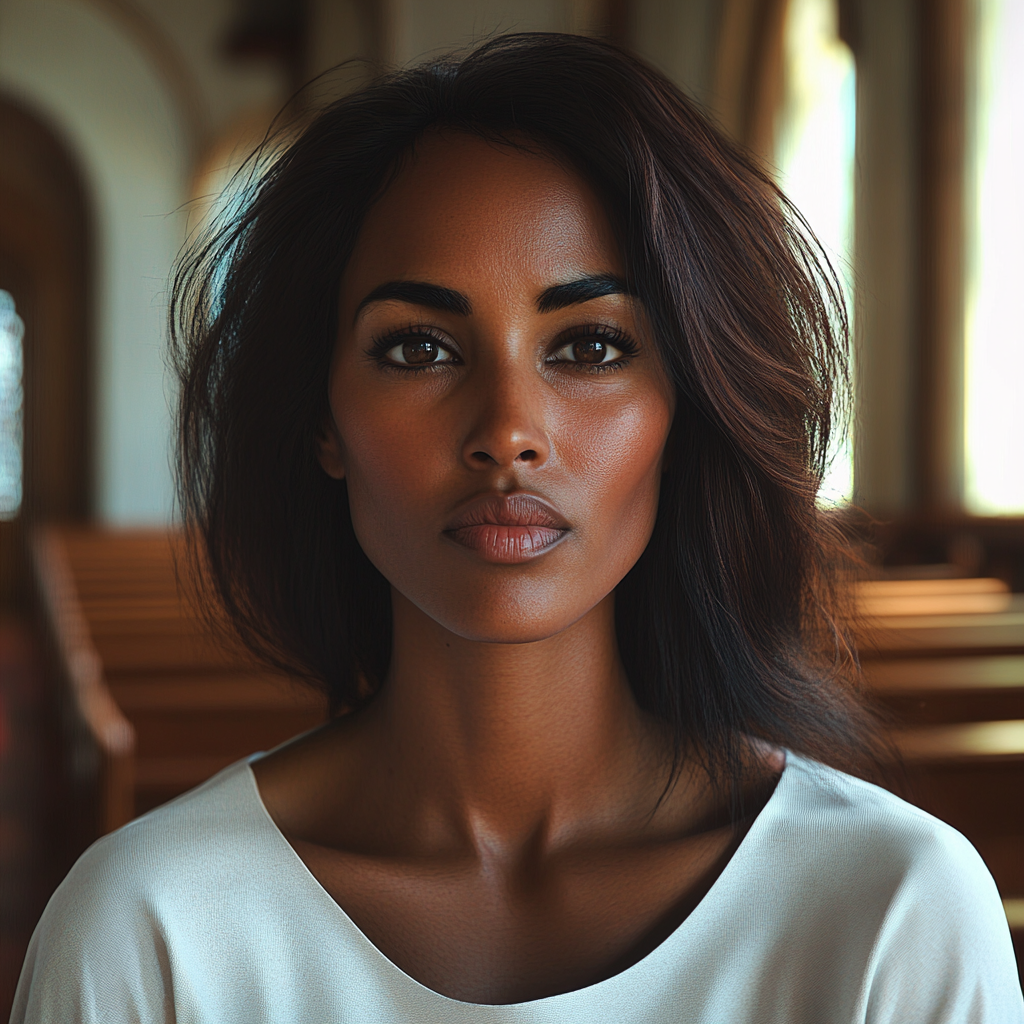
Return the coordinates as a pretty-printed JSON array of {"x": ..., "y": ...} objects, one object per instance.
[
  {"x": 904, "y": 890},
  {"x": 165, "y": 852},
  {"x": 107, "y": 937},
  {"x": 853, "y": 825}
]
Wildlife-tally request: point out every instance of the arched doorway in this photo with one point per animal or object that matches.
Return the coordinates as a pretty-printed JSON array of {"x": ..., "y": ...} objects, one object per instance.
[{"x": 46, "y": 265}]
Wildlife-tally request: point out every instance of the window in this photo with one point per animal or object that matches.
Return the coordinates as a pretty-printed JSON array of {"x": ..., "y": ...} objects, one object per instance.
[
  {"x": 814, "y": 155},
  {"x": 994, "y": 329},
  {"x": 12, "y": 331}
]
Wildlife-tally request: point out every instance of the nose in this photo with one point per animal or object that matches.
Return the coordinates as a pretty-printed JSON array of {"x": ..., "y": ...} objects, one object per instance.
[{"x": 507, "y": 424}]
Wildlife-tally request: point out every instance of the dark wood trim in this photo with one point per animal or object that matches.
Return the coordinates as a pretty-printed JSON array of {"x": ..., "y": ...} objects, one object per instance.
[
  {"x": 275, "y": 31},
  {"x": 851, "y": 29},
  {"x": 618, "y": 22}
]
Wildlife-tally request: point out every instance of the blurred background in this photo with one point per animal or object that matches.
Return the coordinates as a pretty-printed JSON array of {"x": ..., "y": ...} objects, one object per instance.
[{"x": 896, "y": 126}]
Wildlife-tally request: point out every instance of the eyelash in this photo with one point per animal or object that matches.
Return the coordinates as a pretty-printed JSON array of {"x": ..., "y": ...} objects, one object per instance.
[
  {"x": 614, "y": 336},
  {"x": 383, "y": 343}
]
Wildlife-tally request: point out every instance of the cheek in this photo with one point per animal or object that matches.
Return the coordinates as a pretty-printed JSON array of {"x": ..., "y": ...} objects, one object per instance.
[
  {"x": 616, "y": 460},
  {"x": 388, "y": 469}
]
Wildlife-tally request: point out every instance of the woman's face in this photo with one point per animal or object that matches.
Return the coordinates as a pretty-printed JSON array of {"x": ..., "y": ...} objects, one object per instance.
[{"x": 498, "y": 407}]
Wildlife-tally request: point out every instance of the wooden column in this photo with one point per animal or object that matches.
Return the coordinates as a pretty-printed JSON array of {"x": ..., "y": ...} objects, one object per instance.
[
  {"x": 618, "y": 17},
  {"x": 749, "y": 73},
  {"x": 943, "y": 31},
  {"x": 883, "y": 36}
]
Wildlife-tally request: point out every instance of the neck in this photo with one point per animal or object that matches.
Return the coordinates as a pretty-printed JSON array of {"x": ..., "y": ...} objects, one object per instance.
[{"x": 519, "y": 738}]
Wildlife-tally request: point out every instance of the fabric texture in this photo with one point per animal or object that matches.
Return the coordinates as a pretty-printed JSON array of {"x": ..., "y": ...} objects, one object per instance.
[{"x": 842, "y": 904}]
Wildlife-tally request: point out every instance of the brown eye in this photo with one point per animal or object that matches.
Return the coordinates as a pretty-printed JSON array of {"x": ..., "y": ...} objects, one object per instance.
[
  {"x": 590, "y": 350},
  {"x": 419, "y": 352}
]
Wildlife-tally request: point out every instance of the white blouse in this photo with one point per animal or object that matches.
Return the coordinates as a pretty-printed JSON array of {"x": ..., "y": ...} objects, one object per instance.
[{"x": 842, "y": 903}]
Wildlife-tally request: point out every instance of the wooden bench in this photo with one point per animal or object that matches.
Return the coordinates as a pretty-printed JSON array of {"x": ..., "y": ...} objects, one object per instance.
[
  {"x": 952, "y": 683},
  {"x": 946, "y": 634},
  {"x": 972, "y": 775},
  {"x": 153, "y": 703},
  {"x": 936, "y": 690}
]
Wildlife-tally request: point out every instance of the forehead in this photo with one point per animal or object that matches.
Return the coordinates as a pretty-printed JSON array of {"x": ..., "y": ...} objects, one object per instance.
[{"x": 462, "y": 209}]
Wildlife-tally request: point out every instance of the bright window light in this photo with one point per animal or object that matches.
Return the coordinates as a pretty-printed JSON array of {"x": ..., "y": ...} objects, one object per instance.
[
  {"x": 994, "y": 329},
  {"x": 12, "y": 331},
  {"x": 814, "y": 155}
]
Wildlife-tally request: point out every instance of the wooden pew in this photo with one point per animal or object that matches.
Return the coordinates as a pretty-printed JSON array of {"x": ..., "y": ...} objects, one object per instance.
[
  {"x": 937, "y": 691},
  {"x": 946, "y": 635},
  {"x": 152, "y": 702},
  {"x": 924, "y": 597},
  {"x": 972, "y": 775},
  {"x": 953, "y": 683}
]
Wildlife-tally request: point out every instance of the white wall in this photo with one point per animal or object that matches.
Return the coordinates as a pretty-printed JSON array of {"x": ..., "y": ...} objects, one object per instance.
[
  {"x": 85, "y": 74},
  {"x": 73, "y": 66}
]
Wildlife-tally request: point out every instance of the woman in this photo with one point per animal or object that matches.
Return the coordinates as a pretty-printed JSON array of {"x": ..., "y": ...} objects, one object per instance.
[{"x": 504, "y": 404}]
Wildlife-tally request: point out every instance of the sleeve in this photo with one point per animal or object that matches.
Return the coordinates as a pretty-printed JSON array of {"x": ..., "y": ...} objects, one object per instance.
[
  {"x": 97, "y": 956},
  {"x": 944, "y": 953}
]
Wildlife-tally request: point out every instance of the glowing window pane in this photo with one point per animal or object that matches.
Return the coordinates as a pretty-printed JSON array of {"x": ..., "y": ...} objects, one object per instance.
[
  {"x": 12, "y": 331},
  {"x": 814, "y": 155},
  {"x": 994, "y": 335}
]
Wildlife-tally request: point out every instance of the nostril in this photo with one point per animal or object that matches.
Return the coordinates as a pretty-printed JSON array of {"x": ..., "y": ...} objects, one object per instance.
[
  {"x": 481, "y": 457},
  {"x": 527, "y": 456}
]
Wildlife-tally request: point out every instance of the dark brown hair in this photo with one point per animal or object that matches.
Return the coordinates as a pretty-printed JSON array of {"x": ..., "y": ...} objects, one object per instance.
[{"x": 727, "y": 623}]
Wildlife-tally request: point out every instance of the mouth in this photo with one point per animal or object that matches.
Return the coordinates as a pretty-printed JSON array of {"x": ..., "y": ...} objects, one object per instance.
[{"x": 507, "y": 528}]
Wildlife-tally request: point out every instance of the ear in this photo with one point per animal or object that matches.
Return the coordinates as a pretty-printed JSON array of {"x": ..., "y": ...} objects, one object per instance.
[{"x": 328, "y": 451}]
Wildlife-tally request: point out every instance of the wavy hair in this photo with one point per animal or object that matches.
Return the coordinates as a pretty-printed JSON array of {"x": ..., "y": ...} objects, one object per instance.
[{"x": 728, "y": 624}]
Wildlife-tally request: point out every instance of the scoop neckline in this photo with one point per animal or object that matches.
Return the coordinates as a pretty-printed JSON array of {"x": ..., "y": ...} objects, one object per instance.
[{"x": 664, "y": 949}]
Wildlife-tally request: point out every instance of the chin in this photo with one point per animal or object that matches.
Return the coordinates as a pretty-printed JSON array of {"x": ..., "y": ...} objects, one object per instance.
[
  {"x": 509, "y": 616},
  {"x": 506, "y": 632}
]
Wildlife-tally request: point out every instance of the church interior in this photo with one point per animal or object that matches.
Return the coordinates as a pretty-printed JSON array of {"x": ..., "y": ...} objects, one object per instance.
[{"x": 892, "y": 124}]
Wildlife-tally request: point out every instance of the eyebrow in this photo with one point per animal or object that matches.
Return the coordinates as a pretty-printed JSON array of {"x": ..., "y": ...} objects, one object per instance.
[
  {"x": 419, "y": 293},
  {"x": 586, "y": 288},
  {"x": 447, "y": 300}
]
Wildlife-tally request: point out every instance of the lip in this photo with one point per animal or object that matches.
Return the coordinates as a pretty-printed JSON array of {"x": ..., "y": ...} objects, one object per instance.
[{"x": 507, "y": 528}]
